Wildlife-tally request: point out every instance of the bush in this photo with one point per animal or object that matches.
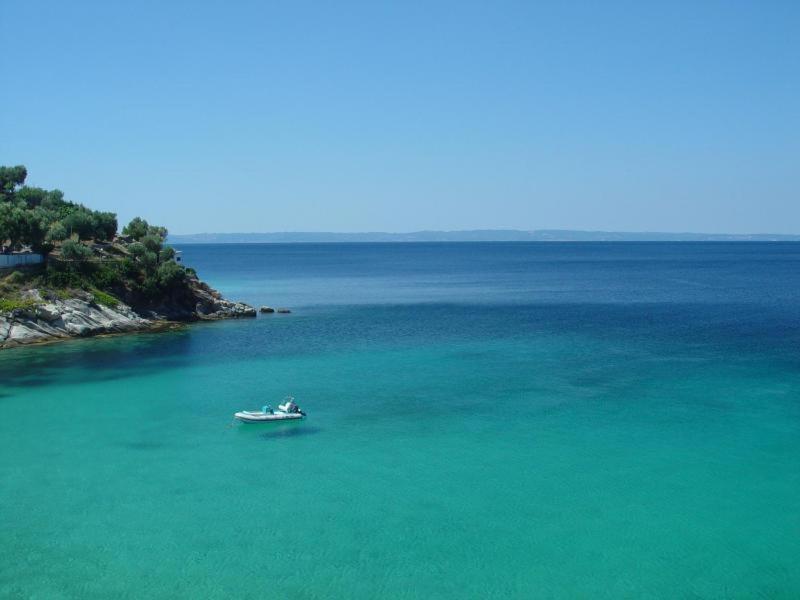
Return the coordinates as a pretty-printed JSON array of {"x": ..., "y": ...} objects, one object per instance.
[
  {"x": 56, "y": 232},
  {"x": 8, "y": 304},
  {"x": 107, "y": 276},
  {"x": 167, "y": 254},
  {"x": 62, "y": 277},
  {"x": 153, "y": 243},
  {"x": 170, "y": 273},
  {"x": 16, "y": 277},
  {"x": 105, "y": 299},
  {"x": 75, "y": 251}
]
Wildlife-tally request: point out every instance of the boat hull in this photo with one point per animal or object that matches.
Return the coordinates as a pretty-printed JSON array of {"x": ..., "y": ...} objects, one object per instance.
[{"x": 260, "y": 417}]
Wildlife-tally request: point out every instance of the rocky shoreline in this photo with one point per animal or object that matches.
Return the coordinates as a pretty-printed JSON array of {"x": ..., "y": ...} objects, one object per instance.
[{"x": 49, "y": 318}]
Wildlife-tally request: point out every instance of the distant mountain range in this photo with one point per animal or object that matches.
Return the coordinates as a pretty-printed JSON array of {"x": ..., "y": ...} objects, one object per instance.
[{"x": 475, "y": 235}]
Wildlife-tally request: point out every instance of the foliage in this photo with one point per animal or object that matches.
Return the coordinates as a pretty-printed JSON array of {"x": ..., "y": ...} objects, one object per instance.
[
  {"x": 168, "y": 253},
  {"x": 15, "y": 277},
  {"x": 40, "y": 218},
  {"x": 9, "y": 304},
  {"x": 169, "y": 274},
  {"x": 10, "y": 178},
  {"x": 143, "y": 271},
  {"x": 153, "y": 243},
  {"x": 56, "y": 232},
  {"x": 72, "y": 250},
  {"x": 105, "y": 299},
  {"x": 138, "y": 228}
]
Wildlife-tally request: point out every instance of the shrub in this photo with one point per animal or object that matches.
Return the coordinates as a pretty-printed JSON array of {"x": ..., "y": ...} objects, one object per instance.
[
  {"x": 167, "y": 254},
  {"x": 105, "y": 299},
  {"x": 56, "y": 232},
  {"x": 170, "y": 273},
  {"x": 153, "y": 243},
  {"x": 16, "y": 277},
  {"x": 107, "y": 276},
  {"x": 9, "y": 304},
  {"x": 72, "y": 250}
]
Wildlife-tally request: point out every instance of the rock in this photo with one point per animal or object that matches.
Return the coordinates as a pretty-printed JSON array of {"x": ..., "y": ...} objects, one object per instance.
[
  {"x": 66, "y": 318},
  {"x": 48, "y": 312},
  {"x": 78, "y": 329},
  {"x": 283, "y": 310},
  {"x": 5, "y": 327},
  {"x": 80, "y": 315},
  {"x": 267, "y": 309}
]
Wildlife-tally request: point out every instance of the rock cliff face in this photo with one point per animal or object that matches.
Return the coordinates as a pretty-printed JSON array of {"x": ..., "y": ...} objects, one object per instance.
[
  {"x": 50, "y": 319},
  {"x": 194, "y": 301}
]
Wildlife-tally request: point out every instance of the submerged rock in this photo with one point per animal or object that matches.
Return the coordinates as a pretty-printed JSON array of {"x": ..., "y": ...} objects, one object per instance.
[
  {"x": 283, "y": 310},
  {"x": 266, "y": 309}
]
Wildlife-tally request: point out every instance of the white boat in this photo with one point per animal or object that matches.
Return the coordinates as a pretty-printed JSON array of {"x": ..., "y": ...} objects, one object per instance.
[
  {"x": 259, "y": 416},
  {"x": 288, "y": 411}
]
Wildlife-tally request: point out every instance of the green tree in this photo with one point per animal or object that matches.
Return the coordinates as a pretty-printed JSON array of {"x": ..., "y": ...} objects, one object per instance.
[
  {"x": 167, "y": 254},
  {"x": 13, "y": 224},
  {"x": 72, "y": 250},
  {"x": 36, "y": 226},
  {"x": 152, "y": 242},
  {"x": 137, "y": 250},
  {"x": 105, "y": 225},
  {"x": 56, "y": 232},
  {"x": 10, "y": 178},
  {"x": 158, "y": 231},
  {"x": 137, "y": 228},
  {"x": 169, "y": 274},
  {"x": 80, "y": 222},
  {"x": 31, "y": 196}
]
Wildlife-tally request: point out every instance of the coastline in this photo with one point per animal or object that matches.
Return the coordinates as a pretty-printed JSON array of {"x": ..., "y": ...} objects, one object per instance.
[{"x": 48, "y": 319}]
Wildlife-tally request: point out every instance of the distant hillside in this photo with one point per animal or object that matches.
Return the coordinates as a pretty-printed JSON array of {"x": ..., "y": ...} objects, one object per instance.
[{"x": 476, "y": 235}]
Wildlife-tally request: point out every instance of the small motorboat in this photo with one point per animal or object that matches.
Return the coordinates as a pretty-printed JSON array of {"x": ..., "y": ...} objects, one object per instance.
[{"x": 287, "y": 411}]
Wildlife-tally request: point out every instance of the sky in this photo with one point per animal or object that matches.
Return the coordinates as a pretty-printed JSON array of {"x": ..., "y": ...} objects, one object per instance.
[{"x": 260, "y": 116}]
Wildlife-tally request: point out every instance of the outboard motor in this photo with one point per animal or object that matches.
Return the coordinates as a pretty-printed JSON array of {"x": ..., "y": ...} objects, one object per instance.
[{"x": 290, "y": 407}]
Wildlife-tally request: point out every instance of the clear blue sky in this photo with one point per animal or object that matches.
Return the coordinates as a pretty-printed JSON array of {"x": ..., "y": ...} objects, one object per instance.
[{"x": 337, "y": 116}]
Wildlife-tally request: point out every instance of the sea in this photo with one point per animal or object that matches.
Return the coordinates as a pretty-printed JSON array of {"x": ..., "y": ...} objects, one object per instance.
[{"x": 485, "y": 420}]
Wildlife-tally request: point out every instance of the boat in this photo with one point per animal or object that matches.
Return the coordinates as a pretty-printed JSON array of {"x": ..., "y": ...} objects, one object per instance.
[{"x": 288, "y": 411}]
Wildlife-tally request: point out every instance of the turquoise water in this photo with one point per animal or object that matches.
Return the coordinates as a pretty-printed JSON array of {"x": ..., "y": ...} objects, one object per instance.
[{"x": 485, "y": 421}]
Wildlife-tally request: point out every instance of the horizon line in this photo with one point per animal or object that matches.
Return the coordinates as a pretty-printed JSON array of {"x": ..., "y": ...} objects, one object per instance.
[
  {"x": 484, "y": 230},
  {"x": 473, "y": 235}
]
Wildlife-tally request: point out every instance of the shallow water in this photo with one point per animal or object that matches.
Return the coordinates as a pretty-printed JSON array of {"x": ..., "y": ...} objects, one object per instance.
[{"x": 485, "y": 420}]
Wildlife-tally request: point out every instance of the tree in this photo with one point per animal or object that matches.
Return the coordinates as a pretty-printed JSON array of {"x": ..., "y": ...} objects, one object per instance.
[
  {"x": 152, "y": 242},
  {"x": 158, "y": 231},
  {"x": 10, "y": 178},
  {"x": 170, "y": 273},
  {"x": 35, "y": 230},
  {"x": 13, "y": 224},
  {"x": 72, "y": 250},
  {"x": 167, "y": 254},
  {"x": 137, "y": 249},
  {"x": 56, "y": 232},
  {"x": 105, "y": 225},
  {"x": 31, "y": 196},
  {"x": 80, "y": 222},
  {"x": 137, "y": 228}
]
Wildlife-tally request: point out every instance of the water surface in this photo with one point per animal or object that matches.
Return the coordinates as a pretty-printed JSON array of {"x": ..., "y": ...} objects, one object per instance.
[{"x": 485, "y": 420}]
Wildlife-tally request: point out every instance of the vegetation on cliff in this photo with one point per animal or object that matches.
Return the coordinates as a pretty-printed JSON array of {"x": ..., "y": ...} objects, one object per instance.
[{"x": 83, "y": 251}]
